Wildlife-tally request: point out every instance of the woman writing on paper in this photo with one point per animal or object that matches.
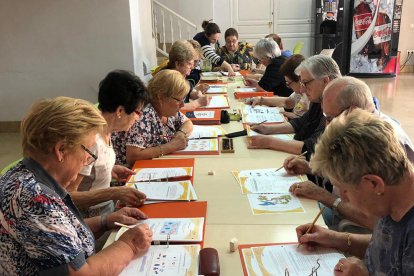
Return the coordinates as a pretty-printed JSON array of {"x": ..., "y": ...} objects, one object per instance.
[
  {"x": 298, "y": 102},
  {"x": 121, "y": 98},
  {"x": 268, "y": 53},
  {"x": 211, "y": 35},
  {"x": 182, "y": 58},
  {"x": 162, "y": 129},
  {"x": 362, "y": 156},
  {"x": 41, "y": 230}
]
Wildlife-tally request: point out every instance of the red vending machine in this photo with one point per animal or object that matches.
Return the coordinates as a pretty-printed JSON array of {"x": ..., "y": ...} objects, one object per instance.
[{"x": 374, "y": 38}]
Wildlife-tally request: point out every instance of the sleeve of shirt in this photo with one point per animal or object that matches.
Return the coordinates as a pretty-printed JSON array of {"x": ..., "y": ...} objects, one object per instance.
[
  {"x": 309, "y": 143},
  {"x": 47, "y": 232},
  {"x": 210, "y": 54},
  {"x": 269, "y": 81},
  {"x": 297, "y": 123},
  {"x": 140, "y": 133}
]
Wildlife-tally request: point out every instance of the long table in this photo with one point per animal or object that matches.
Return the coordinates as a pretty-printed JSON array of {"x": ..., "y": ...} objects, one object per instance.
[{"x": 228, "y": 211}]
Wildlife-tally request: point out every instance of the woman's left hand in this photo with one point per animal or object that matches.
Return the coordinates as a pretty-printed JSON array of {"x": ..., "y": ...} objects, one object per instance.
[
  {"x": 202, "y": 87},
  {"x": 235, "y": 67},
  {"x": 350, "y": 266},
  {"x": 126, "y": 215},
  {"x": 121, "y": 173}
]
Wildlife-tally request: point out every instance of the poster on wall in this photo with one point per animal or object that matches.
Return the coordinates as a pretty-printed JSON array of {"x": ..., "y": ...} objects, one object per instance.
[{"x": 372, "y": 35}]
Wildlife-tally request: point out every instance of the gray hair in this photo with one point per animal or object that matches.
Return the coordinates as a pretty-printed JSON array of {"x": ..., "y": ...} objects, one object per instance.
[
  {"x": 351, "y": 92},
  {"x": 320, "y": 66},
  {"x": 266, "y": 47}
]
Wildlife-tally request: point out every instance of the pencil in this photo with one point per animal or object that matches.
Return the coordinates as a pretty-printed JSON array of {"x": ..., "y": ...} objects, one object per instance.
[
  {"x": 313, "y": 223},
  {"x": 300, "y": 155},
  {"x": 259, "y": 123}
]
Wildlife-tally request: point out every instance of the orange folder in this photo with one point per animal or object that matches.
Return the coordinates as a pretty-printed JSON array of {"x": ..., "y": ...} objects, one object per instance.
[
  {"x": 243, "y": 95},
  {"x": 242, "y": 246},
  {"x": 166, "y": 163}
]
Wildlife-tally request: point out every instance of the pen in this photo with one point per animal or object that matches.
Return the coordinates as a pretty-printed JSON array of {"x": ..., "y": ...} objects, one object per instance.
[
  {"x": 300, "y": 155},
  {"x": 313, "y": 222},
  {"x": 126, "y": 226},
  {"x": 259, "y": 123}
]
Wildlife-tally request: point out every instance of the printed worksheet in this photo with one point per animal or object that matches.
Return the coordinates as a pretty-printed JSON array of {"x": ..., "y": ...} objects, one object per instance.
[
  {"x": 207, "y": 114},
  {"x": 162, "y": 260},
  {"x": 166, "y": 191},
  {"x": 274, "y": 204},
  {"x": 259, "y": 114},
  {"x": 172, "y": 229},
  {"x": 148, "y": 174},
  {"x": 206, "y": 131},
  {"x": 265, "y": 181},
  {"x": 287, "y": 137},
  {"x": 290, "y": 260},
  {"x": 217, "y": 89},
  {"x": 218, "y": 101},
  {"x": 245, "y": 89},
  {"x": 201, "y": 146}
]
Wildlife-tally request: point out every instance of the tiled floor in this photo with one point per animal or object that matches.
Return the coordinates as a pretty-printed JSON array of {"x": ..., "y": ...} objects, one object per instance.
[{"x": 396, "y": 99}]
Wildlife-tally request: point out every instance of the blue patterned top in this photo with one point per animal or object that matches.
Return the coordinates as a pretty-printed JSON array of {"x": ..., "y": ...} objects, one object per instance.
[
  {"x": 41, "y": 231},
  {"x": 391, "y": 250},
  {"x": 149, "y": 131}
]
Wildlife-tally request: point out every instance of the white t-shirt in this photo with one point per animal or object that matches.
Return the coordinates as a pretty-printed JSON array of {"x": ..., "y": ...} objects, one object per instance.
[
  {"x": 301, "y": 103},
  {"x": 98, "y": 174}
]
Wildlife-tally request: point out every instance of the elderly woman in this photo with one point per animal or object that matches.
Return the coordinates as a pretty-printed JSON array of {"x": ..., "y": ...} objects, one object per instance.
[
  {"x": 298, "y": 102},
  {"x": 182, "y": 58},
  {"x": 362, "y": 156},
  {"x": 315, "y": 73},
  {"x": 211, "y": 35},
  {"x": 268, "y": 53},
  {"x": 121, "y": 97},
  {"x": 238, "y": 54},
  {"x": 41, "y": 231},
  {"x": 162, "y": 129}
]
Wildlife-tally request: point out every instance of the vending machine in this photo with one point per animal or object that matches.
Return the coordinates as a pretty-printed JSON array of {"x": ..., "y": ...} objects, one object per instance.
[
  {"x": 374, "y": 38},
  {"x": 363, "y": 33}
]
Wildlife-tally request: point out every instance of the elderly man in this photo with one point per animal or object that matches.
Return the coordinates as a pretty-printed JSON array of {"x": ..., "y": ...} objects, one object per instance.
[
  {"x": 343, "y": 95},
  {"x": 315, "y": 74}
]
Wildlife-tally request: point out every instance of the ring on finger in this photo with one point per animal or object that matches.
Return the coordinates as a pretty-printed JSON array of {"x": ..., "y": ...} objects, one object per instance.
[
  {"x": 340, "y": 266},
  {"x": 297, "y": 185}
]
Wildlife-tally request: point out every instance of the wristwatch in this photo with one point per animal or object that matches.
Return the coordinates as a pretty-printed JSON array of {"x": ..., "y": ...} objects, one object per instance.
[{"x": 335, "y": 205}]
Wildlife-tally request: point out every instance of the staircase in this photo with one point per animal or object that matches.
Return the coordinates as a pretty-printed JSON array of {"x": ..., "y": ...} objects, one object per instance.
[{"x": 168, "y": 26}]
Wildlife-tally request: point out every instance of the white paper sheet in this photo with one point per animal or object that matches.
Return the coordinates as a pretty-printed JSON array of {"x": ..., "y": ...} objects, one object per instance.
[
  {"x": 259, "y": 114},
  {"x": 218, "y": 101},
  {"x": 276, "y": 259},
  {"x": 160, "y": 260},
  {"x": 166, "y": 191},
  {"x": 206, "y": 131},
  {"x": 148, "y": 174}
]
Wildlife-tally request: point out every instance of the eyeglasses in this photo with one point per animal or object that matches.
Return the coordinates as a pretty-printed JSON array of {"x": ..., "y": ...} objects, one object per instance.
[
  {"x": 91, "y": 158},
  {"x": 288, "y": 83},
  {"x": 306, "y": 83},
  {"x": 178, "y": 100}
]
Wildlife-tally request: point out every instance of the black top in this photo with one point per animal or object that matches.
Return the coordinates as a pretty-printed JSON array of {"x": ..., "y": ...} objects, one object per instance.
[
  {"x": 273, "y": 81},
  {"x": 309, "y": 127},
  {"x": 208, "y": 51}
]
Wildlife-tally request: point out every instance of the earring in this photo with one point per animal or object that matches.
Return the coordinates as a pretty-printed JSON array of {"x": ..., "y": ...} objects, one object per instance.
[
  {"x": 380, "y": 194},
  {"x": 119, "y": 116}
]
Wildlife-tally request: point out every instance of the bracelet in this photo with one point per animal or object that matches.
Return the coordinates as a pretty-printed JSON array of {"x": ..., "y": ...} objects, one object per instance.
[
  {"x": 261, "y": 100},
  {"x": 104, "y": 222},
  {"x": 161, "y": 153},
  {"x": 348, "y": 241}
]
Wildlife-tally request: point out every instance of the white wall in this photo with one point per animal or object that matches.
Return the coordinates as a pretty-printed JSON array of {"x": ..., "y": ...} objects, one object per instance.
[
  {"x": 59, "y": 47},
  {"x": 407, "y": 33}
]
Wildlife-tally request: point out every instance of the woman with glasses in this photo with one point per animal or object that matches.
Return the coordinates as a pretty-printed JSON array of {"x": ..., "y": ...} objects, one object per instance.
[
  {"x": 183, "y": 56},
  {"x": 41, "y": 230},
  {"x": 298, "y": 101},
  {"x": 269, "y": 54},
  {"x": 121, "y": 97},
  {"x": 162, "y": 129}
]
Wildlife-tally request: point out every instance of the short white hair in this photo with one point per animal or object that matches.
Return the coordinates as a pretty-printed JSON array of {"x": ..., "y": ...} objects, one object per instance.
[
  {"x": 320, "y": 66},
  {"x": 267, "y": 47}
]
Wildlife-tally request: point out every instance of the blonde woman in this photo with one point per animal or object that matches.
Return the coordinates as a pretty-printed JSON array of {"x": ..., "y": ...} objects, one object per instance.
[
  {"x": 41, "y": 230},
  {"x": 162, "y": 129}
]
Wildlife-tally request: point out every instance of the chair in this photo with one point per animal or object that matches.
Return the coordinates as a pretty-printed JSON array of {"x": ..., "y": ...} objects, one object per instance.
[
  {"x": 298, "y": 48},
  {"x": 5, "y": 169}
]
